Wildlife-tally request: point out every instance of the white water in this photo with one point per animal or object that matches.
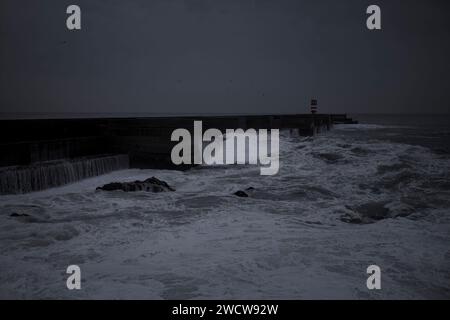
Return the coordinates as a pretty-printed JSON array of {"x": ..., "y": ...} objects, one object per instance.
[
  {"x": 286, "y": 241},
  {"x": 56, "y": 173}
]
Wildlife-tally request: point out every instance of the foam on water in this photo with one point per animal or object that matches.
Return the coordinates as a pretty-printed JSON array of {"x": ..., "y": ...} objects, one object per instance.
[{"x": 341, "y": 202}]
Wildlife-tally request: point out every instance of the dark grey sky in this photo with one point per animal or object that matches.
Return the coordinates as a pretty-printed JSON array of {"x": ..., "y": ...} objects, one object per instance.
[{"x": 212, "y": 56}]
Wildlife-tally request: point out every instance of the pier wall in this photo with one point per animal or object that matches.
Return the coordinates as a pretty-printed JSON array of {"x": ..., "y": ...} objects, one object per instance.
[
  {"x": 40, "y": 176},
  {"x": 146, "y": 141}
]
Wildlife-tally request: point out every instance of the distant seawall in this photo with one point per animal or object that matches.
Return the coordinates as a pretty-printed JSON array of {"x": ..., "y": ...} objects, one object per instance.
[{"x": 32, "y": 143}]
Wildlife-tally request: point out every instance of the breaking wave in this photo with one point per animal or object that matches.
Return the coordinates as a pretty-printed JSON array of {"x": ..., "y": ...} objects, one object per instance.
[{"x": 340, "y": 202}]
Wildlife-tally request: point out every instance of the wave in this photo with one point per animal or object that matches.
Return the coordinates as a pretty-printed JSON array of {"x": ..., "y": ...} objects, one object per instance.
[{"x": 339, "y": 202}]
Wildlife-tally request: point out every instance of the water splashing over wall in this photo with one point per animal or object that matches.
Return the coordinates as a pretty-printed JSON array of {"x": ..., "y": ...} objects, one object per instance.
[{"x": 39, "y": 176}]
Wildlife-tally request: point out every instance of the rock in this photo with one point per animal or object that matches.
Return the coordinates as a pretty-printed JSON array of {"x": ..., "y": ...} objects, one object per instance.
[
  {"x": 149, "y": 185},
  {"x": 241, "y": 194},
  {"x": 15, "y": 214},
  {"x": 366, "y": 213}
]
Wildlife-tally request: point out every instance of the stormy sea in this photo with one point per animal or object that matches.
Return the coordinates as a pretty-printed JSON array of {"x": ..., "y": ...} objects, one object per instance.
[{"x": 375, "y": 193}]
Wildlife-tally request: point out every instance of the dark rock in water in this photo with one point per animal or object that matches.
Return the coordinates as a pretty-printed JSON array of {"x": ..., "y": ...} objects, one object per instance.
[
  {"x": 373, "y": 211},
  {"x": 366, "y": 213},
  {"x": 150, "y": 185},
  {"x": 241, "y": 194},
  {"x": 15, "y": 214}
]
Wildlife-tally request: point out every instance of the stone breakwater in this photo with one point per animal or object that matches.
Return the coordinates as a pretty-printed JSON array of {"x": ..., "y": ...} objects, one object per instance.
[{"x": 37, "y": 154}]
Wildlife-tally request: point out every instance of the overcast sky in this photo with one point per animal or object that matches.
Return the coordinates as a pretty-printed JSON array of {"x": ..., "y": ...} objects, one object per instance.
[{"x": 246, "y": 56}]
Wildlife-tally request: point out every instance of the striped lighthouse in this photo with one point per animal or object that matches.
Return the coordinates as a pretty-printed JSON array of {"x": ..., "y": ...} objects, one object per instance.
[{"x": 313, "y": 106}]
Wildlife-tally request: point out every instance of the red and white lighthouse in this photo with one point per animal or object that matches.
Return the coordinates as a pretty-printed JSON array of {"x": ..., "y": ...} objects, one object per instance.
[{"x": 313, "y": 106}]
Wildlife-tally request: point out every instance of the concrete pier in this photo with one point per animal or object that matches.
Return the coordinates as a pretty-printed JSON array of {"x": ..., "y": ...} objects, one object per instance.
[{"x": 146, "y": 141}]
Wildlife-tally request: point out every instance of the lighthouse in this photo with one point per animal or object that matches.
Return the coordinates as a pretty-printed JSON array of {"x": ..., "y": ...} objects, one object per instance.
[{"x": 313, "y": 106}]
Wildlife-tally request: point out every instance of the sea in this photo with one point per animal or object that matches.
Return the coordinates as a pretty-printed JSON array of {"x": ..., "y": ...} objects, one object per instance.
[{"x": 373, "y": 193}]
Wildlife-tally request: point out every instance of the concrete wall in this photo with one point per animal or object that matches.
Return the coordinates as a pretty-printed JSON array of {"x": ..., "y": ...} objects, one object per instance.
[{"x": 145, "y": 140}]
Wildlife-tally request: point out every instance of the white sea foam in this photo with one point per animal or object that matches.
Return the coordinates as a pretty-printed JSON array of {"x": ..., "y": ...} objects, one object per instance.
[{"x": 290, "y": 239}]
